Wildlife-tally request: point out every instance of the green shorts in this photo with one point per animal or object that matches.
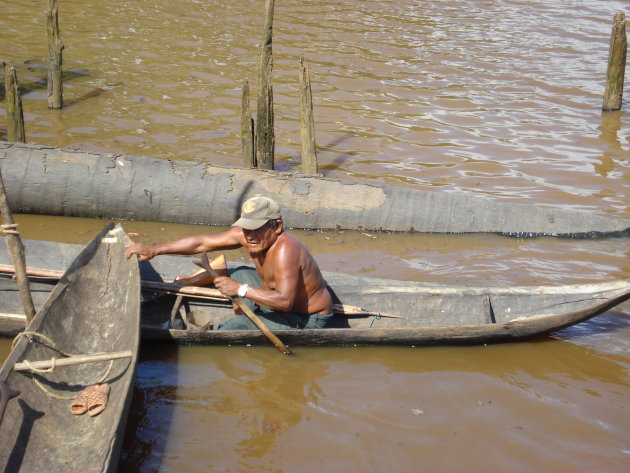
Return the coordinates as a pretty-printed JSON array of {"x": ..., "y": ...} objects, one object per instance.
[{"x": 272, "y": 319}]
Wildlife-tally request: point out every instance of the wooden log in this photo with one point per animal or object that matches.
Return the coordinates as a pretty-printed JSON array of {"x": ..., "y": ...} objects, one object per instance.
[
  {"x": 247, "y": 130},
  {"x": 74, "y": 360},
  {"x": 41, "y": 179},
  {"x": 307, "y": 128},
  {"x": 55, "y": 58},
  {"x": 265, "y": 139},
  {"x": 15, "y": 115},
  {"x": 613, "y": 92},
  {"x": 16, "y": 250}
]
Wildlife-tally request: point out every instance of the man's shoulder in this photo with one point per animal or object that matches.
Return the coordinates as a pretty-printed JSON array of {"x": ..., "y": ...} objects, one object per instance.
[{"x": 288, "y": 239}]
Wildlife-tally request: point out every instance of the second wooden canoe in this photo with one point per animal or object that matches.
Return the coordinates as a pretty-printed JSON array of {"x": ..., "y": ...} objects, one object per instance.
[{"x": 94, "y": 313}]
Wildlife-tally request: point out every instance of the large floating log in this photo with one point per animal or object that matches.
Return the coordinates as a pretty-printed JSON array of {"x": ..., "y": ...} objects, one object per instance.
[{"x": 54, "y": 181}]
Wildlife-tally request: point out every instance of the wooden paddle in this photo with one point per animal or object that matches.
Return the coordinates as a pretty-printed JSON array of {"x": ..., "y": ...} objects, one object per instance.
[{"x": 205, "y": 264}]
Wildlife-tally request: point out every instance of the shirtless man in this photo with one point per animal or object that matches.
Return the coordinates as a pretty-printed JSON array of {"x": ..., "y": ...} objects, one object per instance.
[{"x": 286, "y": 290}]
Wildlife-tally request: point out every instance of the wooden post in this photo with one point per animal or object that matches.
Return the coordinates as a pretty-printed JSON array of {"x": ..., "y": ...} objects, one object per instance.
[
  {"x": 15, "y": 116},
  {"x": 247, "y": 130},
  {"x": 265, "y": 140},
  {"x": 55, "y": 60},
  {"x": 16, "y": 250},
  {"x": 613, "y": 92},
  {"x": 307, "y": 128}
]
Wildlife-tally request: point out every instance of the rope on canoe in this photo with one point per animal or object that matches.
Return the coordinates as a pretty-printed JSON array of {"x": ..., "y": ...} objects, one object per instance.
[
  {"x": 375, "y": 318},
  {"x": 51, "y": 344},
  {"x": 9, "y": 229}
]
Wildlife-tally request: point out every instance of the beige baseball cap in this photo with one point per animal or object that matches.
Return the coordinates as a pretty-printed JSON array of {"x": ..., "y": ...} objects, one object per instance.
[{"x": 257, "y": 211}]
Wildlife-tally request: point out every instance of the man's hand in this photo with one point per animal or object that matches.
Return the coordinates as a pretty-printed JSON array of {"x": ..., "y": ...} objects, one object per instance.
[
  {"x": 144, "y": 252},
  {"x": 227, "y": 286}
]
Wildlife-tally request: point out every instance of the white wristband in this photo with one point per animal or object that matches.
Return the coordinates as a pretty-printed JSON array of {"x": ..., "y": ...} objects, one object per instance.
[{"x": 242, "y": 291}]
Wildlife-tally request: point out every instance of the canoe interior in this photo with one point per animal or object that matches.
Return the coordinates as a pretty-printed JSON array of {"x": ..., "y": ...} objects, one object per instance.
[
  {"x": 423, "y": 308},
  {"x": 95, "y": 308}
]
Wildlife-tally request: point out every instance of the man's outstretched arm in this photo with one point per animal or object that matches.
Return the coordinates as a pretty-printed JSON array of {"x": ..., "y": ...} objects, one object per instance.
[{"x": 228, "y": 240}]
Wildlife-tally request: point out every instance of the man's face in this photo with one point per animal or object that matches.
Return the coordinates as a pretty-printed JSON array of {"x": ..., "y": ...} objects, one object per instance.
[{"x": 262, "y": 238}]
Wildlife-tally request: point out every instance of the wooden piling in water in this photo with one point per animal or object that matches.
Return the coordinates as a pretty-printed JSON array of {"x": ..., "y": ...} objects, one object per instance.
[
  {"x": 613, "y": 92},
  {"x": 247, "y": 130},
  {"x": 15, "y": 115},
  {"x": 16, "y": 251},
  {"x": 307, "y": 128},
  {"x": 55, "y": 59},
  {"x": 265, "y": 140}
]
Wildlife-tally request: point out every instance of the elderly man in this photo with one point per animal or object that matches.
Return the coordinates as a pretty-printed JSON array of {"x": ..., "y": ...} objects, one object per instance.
[{"x": 286, "y": 290}]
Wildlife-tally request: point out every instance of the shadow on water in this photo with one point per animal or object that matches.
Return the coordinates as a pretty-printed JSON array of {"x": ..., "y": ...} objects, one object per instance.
[
  {"x": 341, "y": 159},
  {"x": 32, "y": 76},
  {"x": 152, "y": 409}
]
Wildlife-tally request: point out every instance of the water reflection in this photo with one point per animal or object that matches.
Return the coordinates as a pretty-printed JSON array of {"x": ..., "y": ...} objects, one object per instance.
[
  {"x": 609, "y": 128},
  {"x": 268, "y": 398}
]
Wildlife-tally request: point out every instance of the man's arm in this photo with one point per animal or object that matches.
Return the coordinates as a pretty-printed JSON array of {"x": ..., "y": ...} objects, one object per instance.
[
  {"x": 286, "y": 275},
  {"x": 228, "y": 240}
]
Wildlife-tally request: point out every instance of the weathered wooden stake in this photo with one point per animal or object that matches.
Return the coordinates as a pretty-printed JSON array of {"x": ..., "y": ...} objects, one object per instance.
[
  {"x": 15, "y": 115},
  {"x": 55, "y": 60},
  {"x": 265, "y": 140},
  {"x": 613, "y": 92},
  {"x": 307, "y": 128},
  {"x": 247, "y": 130},
  {"x": 16, "y": 250}
]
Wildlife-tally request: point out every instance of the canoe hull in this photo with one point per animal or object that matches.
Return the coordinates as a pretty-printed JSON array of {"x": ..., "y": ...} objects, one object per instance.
[
  {"x": 95, "y": 308},
  {"x": 431, "y": 315}
]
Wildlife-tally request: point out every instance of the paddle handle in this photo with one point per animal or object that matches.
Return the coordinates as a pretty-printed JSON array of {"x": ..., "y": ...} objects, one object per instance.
[{"x": 205, "y": 264}]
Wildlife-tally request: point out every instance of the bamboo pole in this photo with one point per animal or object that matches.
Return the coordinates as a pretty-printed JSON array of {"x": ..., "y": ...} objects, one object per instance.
[
  {"x": 613, "y": 93},
  {"x": 16, "y": 250},
  {"x": 73, "y": 360},
  {"x": 307, "y": 128},
  {"x": 247, "y": 130},
  {"x": 189, "y": 291},
  {"x": 15, "y": 115},
  {"x": 265, "y": 140},
  {"x": 55, "y": 59}
]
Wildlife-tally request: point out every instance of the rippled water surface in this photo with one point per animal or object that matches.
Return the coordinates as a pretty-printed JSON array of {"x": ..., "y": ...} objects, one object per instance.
[{"x": 498, "y": 97}]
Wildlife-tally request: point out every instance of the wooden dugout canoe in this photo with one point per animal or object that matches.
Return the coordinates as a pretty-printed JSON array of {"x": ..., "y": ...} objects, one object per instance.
[
  {"x": 54, "y": 181},
  {"x": 94, "y": 309},
  {"x": 431, "y": 315}
]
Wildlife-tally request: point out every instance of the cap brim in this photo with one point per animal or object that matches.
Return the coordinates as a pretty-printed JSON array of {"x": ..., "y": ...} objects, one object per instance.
[{"x": 250, "y": 223}]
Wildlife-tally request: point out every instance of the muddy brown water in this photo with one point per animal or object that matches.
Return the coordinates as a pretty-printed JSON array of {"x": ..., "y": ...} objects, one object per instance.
[{"x": 499, "y": 99}]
